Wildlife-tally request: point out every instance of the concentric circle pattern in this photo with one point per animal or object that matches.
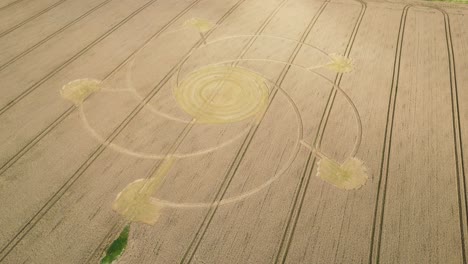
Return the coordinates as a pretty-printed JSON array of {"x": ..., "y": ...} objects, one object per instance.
[{"x": 222, "y": 94}]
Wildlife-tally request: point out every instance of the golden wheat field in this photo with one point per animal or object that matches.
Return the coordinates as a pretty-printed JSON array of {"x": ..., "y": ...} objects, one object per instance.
[{"x": 233, "y": 131}]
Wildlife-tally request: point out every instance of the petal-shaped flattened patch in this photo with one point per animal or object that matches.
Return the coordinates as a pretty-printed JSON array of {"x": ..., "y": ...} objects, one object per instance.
[
  {"x": 135, "y": 204},
  {"x": 200, "y": 24},
  {"x": 134, "y": 201},
  {"x": 352, "y": 174},
  {"x": 78, "y": 90},
  {"x": 340, "y": 63}
]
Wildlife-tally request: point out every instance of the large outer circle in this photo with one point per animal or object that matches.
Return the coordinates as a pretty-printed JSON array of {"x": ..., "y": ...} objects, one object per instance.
[{"x": 300, "y": 131}]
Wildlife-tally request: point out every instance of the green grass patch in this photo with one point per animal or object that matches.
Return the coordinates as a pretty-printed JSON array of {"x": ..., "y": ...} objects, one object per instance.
[{"x": 117, "y": 247}]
